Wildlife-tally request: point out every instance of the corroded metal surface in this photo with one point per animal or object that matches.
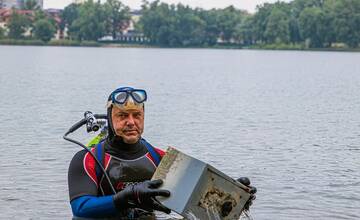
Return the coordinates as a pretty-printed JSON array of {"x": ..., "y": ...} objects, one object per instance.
[{"x": 216, "y": 198}]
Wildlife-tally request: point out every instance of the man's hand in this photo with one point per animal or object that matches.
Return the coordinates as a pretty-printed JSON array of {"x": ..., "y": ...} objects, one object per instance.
[
  {"x": 142, "y": 195},
  {"x": 253, "y": 190}
]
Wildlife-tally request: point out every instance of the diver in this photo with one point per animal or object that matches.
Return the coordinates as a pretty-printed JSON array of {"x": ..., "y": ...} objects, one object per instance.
[{"x": 129, "y": 161}]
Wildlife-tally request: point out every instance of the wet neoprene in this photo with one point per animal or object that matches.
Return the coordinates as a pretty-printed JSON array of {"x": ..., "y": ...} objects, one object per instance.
[{"x": 142, "y": 195}]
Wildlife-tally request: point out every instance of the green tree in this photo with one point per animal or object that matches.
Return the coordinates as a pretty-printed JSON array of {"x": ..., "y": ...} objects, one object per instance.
[
  {"x": 260, "y": 21},
  {"x": 227, "y": 20},
  {"x": 118, "y": 17},
  {"x": 69, "y": 15},
  {"x": 172, "y": 25},
  {"x": 2, "y": 32},
  {"x": 44, "y": 30},
  {"x": 212, "y": 31},
  {"x": 189, "y": 27},
  {"x": 244, "y": 32},
  {"x": 328, "y": 8},
  {"x": 324, "y": 24},
  {"x": 277, "y": 27},
  {"x": 347, "y": 22},
  {"x": 37, "y": 16},
  {"x": 311, "y": 22},
  {"x": 91, "y": 23},
  {"x": 300, "y": 5},
  {"x": 157, "y": 22},
  {"x": 294, "y": 31},
  {"x": 17, "y": 25}
]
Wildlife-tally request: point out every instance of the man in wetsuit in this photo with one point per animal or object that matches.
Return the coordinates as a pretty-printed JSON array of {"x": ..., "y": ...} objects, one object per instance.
[{"x": 128, "y": 160}]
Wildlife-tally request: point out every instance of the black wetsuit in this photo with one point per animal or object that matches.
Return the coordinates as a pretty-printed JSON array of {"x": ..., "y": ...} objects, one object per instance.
[{"x": 124, "y": 163}]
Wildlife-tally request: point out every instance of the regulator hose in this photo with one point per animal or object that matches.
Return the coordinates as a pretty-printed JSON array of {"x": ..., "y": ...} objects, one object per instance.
[{"x": 92, "y": 125}]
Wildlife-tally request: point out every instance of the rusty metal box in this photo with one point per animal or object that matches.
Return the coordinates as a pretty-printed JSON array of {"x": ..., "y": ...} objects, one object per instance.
[{"x": 198, "y": 190}]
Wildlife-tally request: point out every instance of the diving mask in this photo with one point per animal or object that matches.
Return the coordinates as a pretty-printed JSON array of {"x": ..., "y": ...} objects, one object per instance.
[{"x": 128, "y": 98}]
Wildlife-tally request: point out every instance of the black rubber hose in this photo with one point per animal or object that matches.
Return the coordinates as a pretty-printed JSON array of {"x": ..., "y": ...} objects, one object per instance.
[{"x": 77, "y": 126}]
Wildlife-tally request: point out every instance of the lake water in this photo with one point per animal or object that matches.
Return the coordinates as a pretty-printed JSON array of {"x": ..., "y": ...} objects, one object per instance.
[{"x": 288, "y": 120}]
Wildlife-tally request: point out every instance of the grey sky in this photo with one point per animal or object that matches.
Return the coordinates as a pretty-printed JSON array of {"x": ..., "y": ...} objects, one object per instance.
[{"x": 207, "y": 4}]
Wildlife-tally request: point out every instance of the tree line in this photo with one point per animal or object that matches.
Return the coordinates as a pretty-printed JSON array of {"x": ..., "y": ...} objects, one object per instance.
[
  {"x": 312, "y": 23},
  {"x": 316, "y": 23}
]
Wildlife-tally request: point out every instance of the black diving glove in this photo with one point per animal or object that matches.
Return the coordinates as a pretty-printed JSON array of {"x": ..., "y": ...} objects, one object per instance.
[
  {"x": 253, "y": 190},
  {"x": 142, "y": 195}
]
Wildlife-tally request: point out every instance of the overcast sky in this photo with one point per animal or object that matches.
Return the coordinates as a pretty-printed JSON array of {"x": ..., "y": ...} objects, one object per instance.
[{"x": 207, "y": 4}]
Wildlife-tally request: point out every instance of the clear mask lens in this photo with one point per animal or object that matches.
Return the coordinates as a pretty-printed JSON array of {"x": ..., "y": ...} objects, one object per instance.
[
  {"x": 120, "y": 97},
  {"x": 139, "y": 96}
]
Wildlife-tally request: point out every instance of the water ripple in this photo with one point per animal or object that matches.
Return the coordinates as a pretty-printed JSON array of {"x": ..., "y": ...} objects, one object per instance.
[{"x": 287, "y": 120}]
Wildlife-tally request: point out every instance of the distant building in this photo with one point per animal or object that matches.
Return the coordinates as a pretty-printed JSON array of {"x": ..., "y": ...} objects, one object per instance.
[
  {"x": 9, "y": 3},
  {"x": 3, "y": 20},
  {"x": 130, "y": 34},
  {"x": 135, "y": 17},
  {"x": 5, "y": 16},
  {"x": 17, "y": 3}
]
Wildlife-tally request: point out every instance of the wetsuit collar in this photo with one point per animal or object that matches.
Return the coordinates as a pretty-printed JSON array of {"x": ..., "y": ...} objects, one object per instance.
[{"x": 117, "y": 147}]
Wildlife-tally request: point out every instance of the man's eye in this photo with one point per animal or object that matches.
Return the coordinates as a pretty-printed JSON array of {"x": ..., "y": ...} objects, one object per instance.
[
  {"x": 121, "y": 115},
  {"x": 137, "y": 115}
]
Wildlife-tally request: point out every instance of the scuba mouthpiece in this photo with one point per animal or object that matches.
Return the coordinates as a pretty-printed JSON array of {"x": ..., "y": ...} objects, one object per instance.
[{"x": 91, "y": 122}]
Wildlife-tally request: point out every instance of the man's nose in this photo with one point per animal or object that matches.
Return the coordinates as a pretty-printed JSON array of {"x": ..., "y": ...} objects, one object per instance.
[{"x": 130, "y": 121}]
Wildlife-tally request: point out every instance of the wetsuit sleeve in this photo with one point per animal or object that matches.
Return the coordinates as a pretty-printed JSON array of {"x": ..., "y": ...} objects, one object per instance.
[
  {"x": 93, "y": 207},
  {"x": 81, "y": 176}
]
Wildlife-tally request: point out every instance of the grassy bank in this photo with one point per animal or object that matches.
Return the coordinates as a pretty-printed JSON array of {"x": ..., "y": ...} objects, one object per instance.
[
  {"x": 281, "y": 46},
  {"x": 71, "y": 43}
]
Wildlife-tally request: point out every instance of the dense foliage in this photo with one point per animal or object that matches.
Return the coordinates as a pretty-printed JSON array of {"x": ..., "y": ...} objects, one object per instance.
[
  {"x": 17, "y": 25},
  {"x": 2, "y": 33},
  {"x": 93, "y": 20},
  {"x": 37, "y": 23},
  {"x": 313, "y": 23},
  {"x": 44, "y": 30},
  {"x": 179, "y": 25}
]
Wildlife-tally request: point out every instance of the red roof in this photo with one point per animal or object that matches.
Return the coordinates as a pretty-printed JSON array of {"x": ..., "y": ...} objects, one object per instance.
[{"x": 4, "y": 12}]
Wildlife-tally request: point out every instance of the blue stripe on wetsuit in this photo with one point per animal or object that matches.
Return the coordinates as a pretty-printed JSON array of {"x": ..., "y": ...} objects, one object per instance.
[{"x": 93, "y": 206}]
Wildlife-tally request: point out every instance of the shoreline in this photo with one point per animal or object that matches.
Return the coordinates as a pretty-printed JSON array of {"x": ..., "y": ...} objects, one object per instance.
[{"x": 67, "y": 43}]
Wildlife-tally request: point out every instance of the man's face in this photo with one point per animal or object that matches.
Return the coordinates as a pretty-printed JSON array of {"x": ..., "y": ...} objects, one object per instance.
[{"x": 128, "y": 124}]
